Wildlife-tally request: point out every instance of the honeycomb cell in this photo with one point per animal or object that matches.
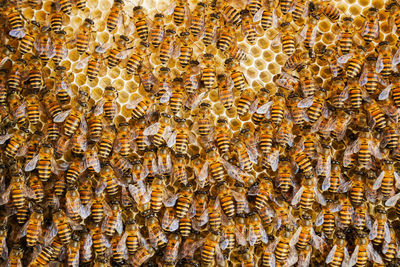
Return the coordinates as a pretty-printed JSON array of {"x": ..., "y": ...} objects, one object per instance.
[
  {"x": 268, "y": 56},
  {"x": 97, "y": 93},
  {"x": 28, "y": 13},
  {"x": 235, "y": 124},
  {"x": 364, "y": 3},
  {"x": 231, "y": 113},
  {"x": 263, "y": 43},
  {"x": 252, "y": 73},
  {"x": 119, "y": 84},
  {"x": 114, "y": 72},
  {"x": 123, "y": 97},
  {"x": 40, "y": 16},
  {"x": 265, "y": 76},
  {"x": 80, "y": 79},
  {"x": 355, "y": 10},
  {"x": 342, "y": 6},
  {"x": 214, "y": 95},
  {"x": 324, "y": 26},
  {"x": 218, "y": 108},
  {"x": 273, "y": 68},
  {"x": 281, "y": 59},
  {"x": 378, "y": 3},
  {"x": 256, "y": 52},
  {"x": 260, "y": 64}
]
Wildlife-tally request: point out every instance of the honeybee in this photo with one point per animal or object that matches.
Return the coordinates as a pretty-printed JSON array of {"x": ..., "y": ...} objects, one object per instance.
[
  {"x": 15, "y": 256},
  {"x": 226, "y": 38},
  {"x": 33, "y": 228},
  {"x": 16, "y": 142},
  {"x": 248, "y": 24},
  {"x": 309, "y": 32},
  {"x": 147, "y": 78},
  {"x": 60, "y": 51},
  {"x": 263, "y": 191},
  {"x": 246, "y": 99},
  {"x": 179, "y": 171},
  {"x": 316, "y": 105},
  {"x": 185, "y": 50},
  {"x": 142, "y": 255},
  {"x": 167, "y": 47},
  {"x": 364, "y": 251},
  {"x": 286, "y": 39},
  {"x": 339, "y": 253},
  {"x": 140, "y": 21},
  {"x": 345, "y": 37},
  {"x": 211, "y": 29},
  {"x": 164, "y": 160},
  {"x": 230, "y": 14},
  {"x": 354, "y": 61},
  {"x": 84, "y": 35},
  {"x": 156, "y": 234},
  {"x": 140, "y": 107},
  {"x": 116, "y": 13},
  {"x": 211, "y": 251},
  {"x": 17, "y": 192},
  {"x": 35, "y": 74},
  {"x": 157, "y": 30},
  {"x": 56, "y": 18},
  {"x": 370, "y": 78},
  {"x": 326, "y": 8},
  {"x": 15, "y": 22},
  {"x": 62, "y": 226},
  {"x": 366, "y": 147},
  {"x": 197, "y": 19},
  {"x": 307, "y": 194},
  {"x": 172, "y": 249},
  {"x": 371, "y": 27},
  {"x": 387, "y": 179},
  {"x": 118, "y": 52},
  {"x": 37, "y": 187},
  {"x": 238, "y": 78},
  {"x": 283, "y": 247},
  {"x": 27, "y": 42},
  {"x": 113, "y": 222},
  {"x": 44, "y": 45},
  {"x": 306, "y": 234}
]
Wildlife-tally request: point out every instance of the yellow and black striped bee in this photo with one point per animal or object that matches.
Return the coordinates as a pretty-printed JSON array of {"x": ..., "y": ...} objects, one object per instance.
[
  {"x": 230, "y": 14},
  {"x": 118, "y": 52},
  {"x": 247, "y": 97},
  {"x": 185, "y": 50},
  {"x": 113, "y": 222},
  {"x": 33, "y": 109},
  {"x": 72, "y": 119},
  {"x": 63, "y": 228},
  {"x": 316, "y": 105},
  {"x": 26, "y": 43},
  {"x": 65, "y": 6},
  {"x": 83, "y": 36},
  {"x": 248, "y": 26},
  {"x": 326, "y": 8},
  {"x": 105, "y": 145},
  {"x": 370, "y": 79},
  {"x": 371, "y": 28},
  {"x": 15, "y": 22},
  {"x": 300, "y": 9},
  {"x": 93, "y": 62},
  {"x": 309, "y": 32},
  {"x": 156, "y": 234},
  {"x": 95, "y": 127},
  {"x": 308, "y": 193},
  {"x": 16, "y": 142},
  {"x": 211, "y": 29},
  {"x": 14, "y": 78},
  {"x": 238, "y": 78},
  {"x": 197, "y": 19},
  {"x": 384, "y": 65},
  {"x": 179, "y": 9},
  {"x": 108, "y": 105},
  {"x": 223, "y": 135},
  {"x": 286, "y": 38},
  {"x": 37, "y": 187},
  {"x": 226, "y": 38},
  {"x": 211, "y": 249},
  {"x": 140, "y": 21},
  {"x": 167, "y": 46},
  {"x": 135, "y": 60},
  {"x": 346, "y": 33},
  {"x": 157, "y": 30},
  {"x": 338, "y": 253},
  {"x": 376, "y": 113},
  {"x": 61, "y": 86},
  {"x": 354, "y": 61},
  {"x": 35, "y": 75},
  {"x": 56, "y": 18},
  {"x": 225, "y": 91},
  {"x": 60, "y": 51},
  {"x": 115, "y": 14},
  {"x": 172, "y": 249},
  {"x": 208, "y": 73},
  {"x": 387, "y": 180}
]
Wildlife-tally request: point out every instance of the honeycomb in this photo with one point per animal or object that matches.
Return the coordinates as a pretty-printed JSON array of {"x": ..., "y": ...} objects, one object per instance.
[{"x": 264, "y": 222}]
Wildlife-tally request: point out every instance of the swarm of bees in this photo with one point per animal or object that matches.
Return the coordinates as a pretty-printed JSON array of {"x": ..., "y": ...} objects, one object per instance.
[{"x": 202, "y": 166}]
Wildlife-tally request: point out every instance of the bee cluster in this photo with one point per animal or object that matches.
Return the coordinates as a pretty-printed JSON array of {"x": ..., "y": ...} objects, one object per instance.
[{"x": 253, "y": 133}]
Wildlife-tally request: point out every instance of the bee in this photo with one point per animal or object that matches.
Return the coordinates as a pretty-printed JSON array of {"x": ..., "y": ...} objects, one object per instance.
[
  {"x": 15, "y": 75},
  {"x": 133, "y": 238},
  {"x": 17, "y": 109},
  {"x": 261, "y": 107},
  {"x": 44, "y": 45},
  {"x": 354, "y": 62},
  {"x": 16, "y": 142},
  {"x": 18, "y": 192},
  {"x": 223, "y": 136},
  {"x": 231, "y": 14},
  {"x": 140, "y": 21},
  {"x": 85, "y": 191},
  {"x": 62, "y": 226},
  {"x": 266, "y": 137},
  {"x": 15, "y": 257},
  {"x": 263, "y": 191},
  {"x": 326, "y": 8},
  {"x": 27, "y": 42},
  {"x": 333, "y": 181},
  {"x": 309, "y": 32},
  {"x": 135, "y": 60},
  {"x": 316, "y": 105},
  {"x": 391, "y": 136},
  {"x": 225, "y": 91},
  {"x": 52, "y": 106},
  {"x": 62, "y": 87},
  {"x": 15, "y": 22},
  {"x": 364, "y": 251},
  {"x": 204, "y": 120},
  {"x": 172, "y": 249},
  {"x": 185, "y": 50},
  {"x": 211, "y": 29},
  {"x": 307, "y": 194},
  {"x": 339, "y": 253},
  {"x": 106, "y": 142},
  {"x": 149, "y": 161},
  {"x": 60, "y": 51},
  {"x": 286, "y": 38},
  {"x": 305, "y": 234},
  {"x": 299, "y": 115},
  {"x": 74, "y": 208},
  {"x": 156, "y": 234},
  {"x": 177, "y": 96},
  {"x": 184, "y": 201},
  {"x": 94, "y": 63},
  {"x": 33, "y": 228},
  {"x": 98, "y": 207},
  {"x": 42, "y": 162},
  {"x": 73, "y": 120},
  {"x": 98, "y": 241},
  {"x": 197, "y": 19},
  {"x": 56, "y": 18},
  {"x": 109, "y": 181},
  {"x": 73, "y": 249},
  {"x": 115, "y": 14},
  {"x": 33, "y": 109},
  {"x": 384, "y": 65},
  {"x": 283, "y": 246},
  {"x": 211, "y": 249},
  {"x": 179, "y": 169},
  {"x": 360, "y": 217},
  {"x": 327, "y": 217},
  {"x": 113, "y": 222},
  {"x": 167, "y": 46},
  {"x": 95, "y": 127},
  {"x": 157, "y": 31},
  {"x": 387, "y": 179},
  {"x": 284, "y": 175},
  {"x": 123, "y": 138},
  {"x": 370, "y": 79},
  {"x": 237, "y": 76},
  {"x": 277, "y": 108},
  {"x": 226, "y": 38},
  {"x": 365, "y": 146},
  {"x": 371, "y": 28},
  {"x": 35, "y": 75},
  {"x": 118, "y": 52},
  {"x": 376, "y": 113},
  {"x": 36, "y": 185},
  {"x": 83, "y": 36},
  {"x": 345, "y": 39},
  {"x": 286, "y": 6},
  {"x": 256, "y": 232},
  {"x": 209, "y": 72},
  {"x": 142, "y": 255},
  {"x": 248, "y": 26},
  {"x": 345, "y": 213}
]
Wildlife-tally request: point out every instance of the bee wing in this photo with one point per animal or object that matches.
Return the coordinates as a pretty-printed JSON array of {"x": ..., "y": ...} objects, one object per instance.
[
  {"x": 343, "y": 59},
  {"x": 277, "y": 40},
  {"x": 295, "y": 237},
  {"x": 379, "y": 64},
  {"x": 319, "y": 197},
  {"x": 241, "y": 198},
  {"x": 303, "y": 33},
  {"x": 5, "y": 196},
  {"x": 123, "y": 54},
  {"x": 373, "y": 254},
  {"x": 170, "y": 199},
  {"x": 386, "y": 232},
  {"x": 354, "y": 256},
  {"x": 297, "y": 196},
  {"x": 219, "y": 257},
  {"x": 152, "y": 129},
  {"x": 396, "y": 58},
  {"x": 132, "y": 104},
  {"x": 385, "y": 92},
  {"x": 326, "y": 183},
  {"x": 4, "y": 138},
  {"x": 306, "y": 102},
  {"x": 62, "y": 116},
  {"x": 273, "y": 160},
  {"x": 263, "y": 109},
  {"x": 17, "y": 33},
  {"x": 374, "y": 231},
  {"x": 31, "y": 165},
  {"x": 316, "y": 240},
  {"x": 99, "y": 107},
  {"x": 82, "y": 63},
  {"x": 344, "y": 186},
  {"x": 172, "y": 139}
]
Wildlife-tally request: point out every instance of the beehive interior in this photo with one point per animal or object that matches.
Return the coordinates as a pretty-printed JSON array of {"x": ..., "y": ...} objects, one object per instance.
[{"x": 260, "y": 208}]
